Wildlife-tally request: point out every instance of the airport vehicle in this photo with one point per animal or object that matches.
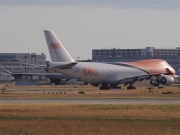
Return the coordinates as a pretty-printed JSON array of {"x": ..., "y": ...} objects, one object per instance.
[
  {"x": 6, "y": 77},
  {"x": 108, "y": 75}
]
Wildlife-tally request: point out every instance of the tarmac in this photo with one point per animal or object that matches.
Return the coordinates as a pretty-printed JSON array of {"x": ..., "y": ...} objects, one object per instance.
[{"x": 89, "y": 101}]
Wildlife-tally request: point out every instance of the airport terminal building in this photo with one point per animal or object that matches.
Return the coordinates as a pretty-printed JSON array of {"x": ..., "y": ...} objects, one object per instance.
[
  {"x": 33, "y": 73},
  {"x": 172, "y": 56},
  {"x": 14, "y": 62}
]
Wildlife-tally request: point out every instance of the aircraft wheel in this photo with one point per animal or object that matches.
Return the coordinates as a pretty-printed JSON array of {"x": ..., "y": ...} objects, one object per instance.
[
  {"x": 104, "y": 87},
  {"x": 115, "y": 86},
  {"x": 156, "y": 83},
  {"x": 131, "y": 87},
  {"x": 52, "y": 80},
  {"x": 57, "y": 81}
]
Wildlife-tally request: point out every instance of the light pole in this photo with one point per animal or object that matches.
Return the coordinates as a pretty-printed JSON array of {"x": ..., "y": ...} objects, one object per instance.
[{"x": 25, "y": 62}]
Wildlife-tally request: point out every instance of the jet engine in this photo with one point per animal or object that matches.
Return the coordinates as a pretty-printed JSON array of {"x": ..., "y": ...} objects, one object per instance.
[
  {"x": 155, "y": 82},
  {"x": 162, "y": 79},
  {"x": 166, "y": 80}
]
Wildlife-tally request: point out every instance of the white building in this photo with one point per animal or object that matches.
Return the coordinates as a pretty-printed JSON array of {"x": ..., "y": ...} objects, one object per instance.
[{"x": 14, "y": 62}]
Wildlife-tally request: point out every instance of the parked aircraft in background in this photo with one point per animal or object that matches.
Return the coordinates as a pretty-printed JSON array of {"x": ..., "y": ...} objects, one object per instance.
[
  {"x": 6, "y": 77},
  {"x": 55, "y": 78},
  {"x": 108, "y": 75}
]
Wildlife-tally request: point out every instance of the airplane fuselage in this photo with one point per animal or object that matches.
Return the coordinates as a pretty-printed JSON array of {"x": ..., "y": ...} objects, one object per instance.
[
  {"x": 6, "y": 77},
  {"x": 94, "y": 72}
]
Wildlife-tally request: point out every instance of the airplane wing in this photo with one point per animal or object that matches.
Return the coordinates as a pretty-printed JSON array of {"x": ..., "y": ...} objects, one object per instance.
[{"x": 133, "y": 79}]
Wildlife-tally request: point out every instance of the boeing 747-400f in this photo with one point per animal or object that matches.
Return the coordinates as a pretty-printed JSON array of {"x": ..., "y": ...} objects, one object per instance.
[{"x": 108, "y": 75}]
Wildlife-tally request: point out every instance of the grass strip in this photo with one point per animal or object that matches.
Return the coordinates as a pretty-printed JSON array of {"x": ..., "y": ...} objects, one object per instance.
[{"x": 86, "y": 118}]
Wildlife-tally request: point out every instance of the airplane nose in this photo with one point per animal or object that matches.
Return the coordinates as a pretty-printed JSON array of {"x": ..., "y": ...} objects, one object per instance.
[{"x": 174, "y": 72}]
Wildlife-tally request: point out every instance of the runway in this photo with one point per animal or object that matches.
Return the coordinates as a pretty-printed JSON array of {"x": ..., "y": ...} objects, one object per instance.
[{"x": 89, "y": 101}]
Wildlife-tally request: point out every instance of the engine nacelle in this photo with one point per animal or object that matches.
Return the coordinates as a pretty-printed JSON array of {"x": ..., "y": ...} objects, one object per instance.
[
  {"x": 166, "y": 80},
  {"x": 155, "y": 82},
  {"x": 162, "y": 79}
]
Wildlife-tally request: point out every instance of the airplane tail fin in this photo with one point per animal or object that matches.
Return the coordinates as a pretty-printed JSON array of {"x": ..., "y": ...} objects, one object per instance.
[{"x": 57, "y": 51}]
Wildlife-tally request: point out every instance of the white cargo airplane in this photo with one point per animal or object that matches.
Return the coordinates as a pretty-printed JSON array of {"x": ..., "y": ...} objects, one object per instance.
[
  {"x": 108, "y": 75},
  {"x": 6, "y": 77}
]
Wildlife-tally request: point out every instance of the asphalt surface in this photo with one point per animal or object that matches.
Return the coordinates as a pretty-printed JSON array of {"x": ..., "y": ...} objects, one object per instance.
[{"x": 89, "y": 101}]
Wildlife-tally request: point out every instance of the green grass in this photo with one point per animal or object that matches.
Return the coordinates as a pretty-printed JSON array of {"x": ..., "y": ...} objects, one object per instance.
[{"x": 127, "y": 107}]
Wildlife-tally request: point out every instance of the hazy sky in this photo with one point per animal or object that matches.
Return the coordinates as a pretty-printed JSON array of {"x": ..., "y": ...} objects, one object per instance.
[{"x": 83, "y": 25}]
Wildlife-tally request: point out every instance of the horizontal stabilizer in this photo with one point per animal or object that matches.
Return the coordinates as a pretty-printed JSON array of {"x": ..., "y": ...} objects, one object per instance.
[
  {"x": 61, "y": 65},
  {"x": 67, "y": 66}
]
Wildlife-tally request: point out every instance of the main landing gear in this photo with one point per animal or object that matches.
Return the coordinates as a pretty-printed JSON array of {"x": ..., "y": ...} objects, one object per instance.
[
  {"x": 115, "y": 86},
  {"x": 155, "y": 82},
  {"x": 104, "y": 87},
  {"x": 55, "y": 81},
  {"x": 109, "y": 86},
  {"x": 131, "y": 87}
]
